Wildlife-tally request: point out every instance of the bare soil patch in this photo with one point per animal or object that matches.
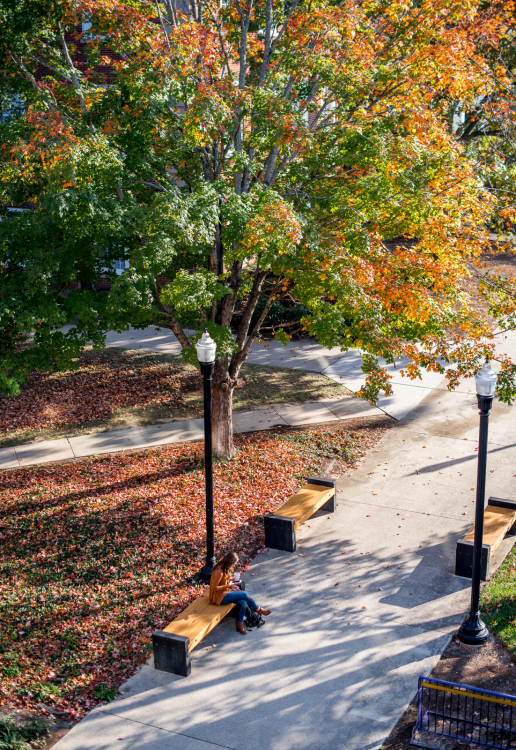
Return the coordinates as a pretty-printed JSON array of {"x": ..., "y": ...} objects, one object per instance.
[
  {"x": 490, "y": 667},
  {"x": 498, "y": 262}
]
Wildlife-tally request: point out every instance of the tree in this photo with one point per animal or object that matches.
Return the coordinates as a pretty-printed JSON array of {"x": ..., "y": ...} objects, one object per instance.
[{"x": 250, "y": 153}]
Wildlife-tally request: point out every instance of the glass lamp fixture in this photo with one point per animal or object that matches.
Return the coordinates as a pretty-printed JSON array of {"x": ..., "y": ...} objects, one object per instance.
[
  {"x": 485, "y": 381},
  {"x": 206, "y": 349}
]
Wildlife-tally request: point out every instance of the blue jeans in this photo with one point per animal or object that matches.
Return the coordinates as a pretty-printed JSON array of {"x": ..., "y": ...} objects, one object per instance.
[{"x": 242, "y": 600}]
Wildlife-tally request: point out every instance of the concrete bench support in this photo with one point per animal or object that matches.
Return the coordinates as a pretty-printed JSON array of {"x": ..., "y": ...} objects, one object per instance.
[
  {"x": 173, "y": 645},
  {"x": 171, "y": 653},
  {"x": 464, "y": 560},
  {"x": 280, "y": 533},
  {"x": 280, "y": 527}
]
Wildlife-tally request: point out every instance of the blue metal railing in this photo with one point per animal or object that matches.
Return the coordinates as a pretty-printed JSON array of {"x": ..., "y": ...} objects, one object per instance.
[{"x": 459, "y": 712}]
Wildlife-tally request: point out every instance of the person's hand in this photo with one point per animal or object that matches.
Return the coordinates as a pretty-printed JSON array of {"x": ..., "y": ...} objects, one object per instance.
[{"x": 235, "y": 588}]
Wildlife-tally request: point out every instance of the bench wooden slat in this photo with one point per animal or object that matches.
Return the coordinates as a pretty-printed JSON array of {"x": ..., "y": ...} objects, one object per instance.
[
  {"x": 198, "y": 619},
  {"x": 497, "y": 522},
  {"x": 194, "y": 608},
  {"x": 305, "y": 502},
  {"x": 308, "y": 508}
]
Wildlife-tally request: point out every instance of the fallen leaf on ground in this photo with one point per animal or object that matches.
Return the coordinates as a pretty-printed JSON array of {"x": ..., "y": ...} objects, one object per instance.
[{"x": 99, "y": 553}]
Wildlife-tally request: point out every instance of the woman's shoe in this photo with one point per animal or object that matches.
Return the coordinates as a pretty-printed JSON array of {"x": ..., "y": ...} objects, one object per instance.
[
  {"x": 241, "y": 628},
  {"x": 262, "y": 611}
]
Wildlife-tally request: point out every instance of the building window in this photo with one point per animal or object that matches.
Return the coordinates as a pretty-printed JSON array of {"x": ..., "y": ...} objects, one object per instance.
[{"x": 120, "y": 266}]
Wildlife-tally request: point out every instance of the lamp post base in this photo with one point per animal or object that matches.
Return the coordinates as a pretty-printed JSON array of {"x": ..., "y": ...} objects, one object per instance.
[
  {"x": 473, "y": 632},
  {"x": 205, "y": 572}
]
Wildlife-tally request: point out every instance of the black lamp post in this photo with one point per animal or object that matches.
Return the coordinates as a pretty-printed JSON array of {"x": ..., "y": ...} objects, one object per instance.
[
  {"x": 206, "y": 350},
  {"x": 473, "y": 632}
]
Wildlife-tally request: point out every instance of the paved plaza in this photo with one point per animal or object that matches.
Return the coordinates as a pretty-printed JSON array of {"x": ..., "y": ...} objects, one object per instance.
[
  {"x": 338, "y": 660},
  {"x": 365, "y": 605}
]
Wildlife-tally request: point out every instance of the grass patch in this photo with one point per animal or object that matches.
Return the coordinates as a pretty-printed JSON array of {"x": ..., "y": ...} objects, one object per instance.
[
  {"x": 16, "y": 734},
  {"x": 96, "y": 554},
  {"x": 318, "y": 445},
  {"x": 498, "y": 602},
  {"x": 117, "y": 388}
]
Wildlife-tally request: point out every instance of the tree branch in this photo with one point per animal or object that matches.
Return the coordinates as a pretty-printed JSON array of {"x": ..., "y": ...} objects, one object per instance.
[
  {"x": 73, "y": 73},
  {"x": 240, "y": 356},
  {"x": 52, "y": 104},
  {"x": 174, "y": 323},
  {"x": 160, "y": 16}
]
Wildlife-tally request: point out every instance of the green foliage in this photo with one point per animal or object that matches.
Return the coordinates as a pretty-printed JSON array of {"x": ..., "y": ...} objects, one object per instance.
[
  {"x": 11, "y": 670},
  {"x": 105, "y": 693},
  {"x": 44, "y": 690},
  {"x": 293, "y": 173},
  {"x": 220, "y": 334},
  {"x": 193, "y": 291},
  {"x": 274, "y": 317},
  {"x": 17, "y": 735},
  {"x": 278, "y": 313},
  {"x": 282, "y": 336},
  {"x": 39, "y": 271},
  {"x": 10, "y": 736},
  {"x": 498, "y": 602}
]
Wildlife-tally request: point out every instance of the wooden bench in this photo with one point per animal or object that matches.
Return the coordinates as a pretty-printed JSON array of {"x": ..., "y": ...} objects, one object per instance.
[
  {"x": 172, "y": 645},
  {"x": 280, "y": 527},
  {"x": 499, "y": 521}
]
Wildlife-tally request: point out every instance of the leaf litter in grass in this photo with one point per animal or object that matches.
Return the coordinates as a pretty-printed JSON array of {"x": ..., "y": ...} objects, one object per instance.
[
  {"x": 98, "y": 553},
  {"x": 115, "y": 388}
]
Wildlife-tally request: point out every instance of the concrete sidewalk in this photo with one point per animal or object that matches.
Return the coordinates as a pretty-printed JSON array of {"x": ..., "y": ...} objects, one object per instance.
[
  {"x": 329, "y": 410},
  {"x": 338, "y": 660},
  {"x": 306, "y": 355},
  {"x": 303, "y": 355}
]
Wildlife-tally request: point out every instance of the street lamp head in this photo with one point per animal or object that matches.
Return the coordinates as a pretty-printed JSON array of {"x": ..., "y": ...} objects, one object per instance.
[
  {"x": 485, "y": 380},
  {"x": 206, "y": 349}
]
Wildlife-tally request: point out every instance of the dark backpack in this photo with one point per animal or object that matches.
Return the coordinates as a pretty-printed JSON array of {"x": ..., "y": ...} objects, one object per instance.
[{"x": 253, "y": 619}]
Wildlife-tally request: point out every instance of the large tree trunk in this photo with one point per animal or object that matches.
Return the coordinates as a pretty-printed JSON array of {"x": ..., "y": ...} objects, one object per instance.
[{"x": 222, "y": 394}]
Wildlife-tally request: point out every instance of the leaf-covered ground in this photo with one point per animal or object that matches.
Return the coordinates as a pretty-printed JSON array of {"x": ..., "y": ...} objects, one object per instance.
[
  {"x": 123, "y": 388},
  {"x": 97, "y": 553},
  {"x": 498, "y": 603}
]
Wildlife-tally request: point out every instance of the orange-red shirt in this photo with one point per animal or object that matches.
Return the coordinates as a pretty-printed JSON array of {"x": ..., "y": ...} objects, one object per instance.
[{"x": 219, "y": 586}]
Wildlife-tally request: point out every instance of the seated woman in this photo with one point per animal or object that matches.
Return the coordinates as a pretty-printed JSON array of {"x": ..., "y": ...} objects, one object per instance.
[{"x": 222, "y": 591}]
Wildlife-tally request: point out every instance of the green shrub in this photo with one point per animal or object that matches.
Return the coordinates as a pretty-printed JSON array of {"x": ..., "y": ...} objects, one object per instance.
[
  {"x": 44, "y": 690},
  {"x": 17, "y": 736},
  {"x": 273, "y": 318},
  {"x": 104, "y": 692},
  {"x": 296, "y": 312},
  {"x": 10, "y": 735},
  {"x": 41, "y": 691}
]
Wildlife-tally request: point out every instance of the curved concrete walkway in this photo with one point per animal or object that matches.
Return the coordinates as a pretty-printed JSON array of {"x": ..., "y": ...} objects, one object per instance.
[
  {"x": 304, "y": 355},
  {"x": 308, "y": 355},
  {"x": 112, "y": 441},
  {"x": 366, "y": 604}
]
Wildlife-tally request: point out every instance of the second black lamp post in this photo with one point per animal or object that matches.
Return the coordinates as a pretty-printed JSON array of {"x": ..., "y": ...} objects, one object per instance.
[
  {"x": 473, "y": 631},
  {"x": 206, "y": 350}
]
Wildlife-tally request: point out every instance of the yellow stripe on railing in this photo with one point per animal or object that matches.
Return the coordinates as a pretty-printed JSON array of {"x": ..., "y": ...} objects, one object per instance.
[{"x": 504, "y": 701}]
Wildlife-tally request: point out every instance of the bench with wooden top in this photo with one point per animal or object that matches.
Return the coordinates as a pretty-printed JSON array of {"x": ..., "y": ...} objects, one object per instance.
[
  {"x": 499, "y": 521},
  {"x": 280, "y": 527},
  {"x": 172, "y": 646}
]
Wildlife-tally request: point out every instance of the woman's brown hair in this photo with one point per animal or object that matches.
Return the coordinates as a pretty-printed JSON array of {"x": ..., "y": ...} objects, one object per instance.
[{"x": 231, "y": 558}]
